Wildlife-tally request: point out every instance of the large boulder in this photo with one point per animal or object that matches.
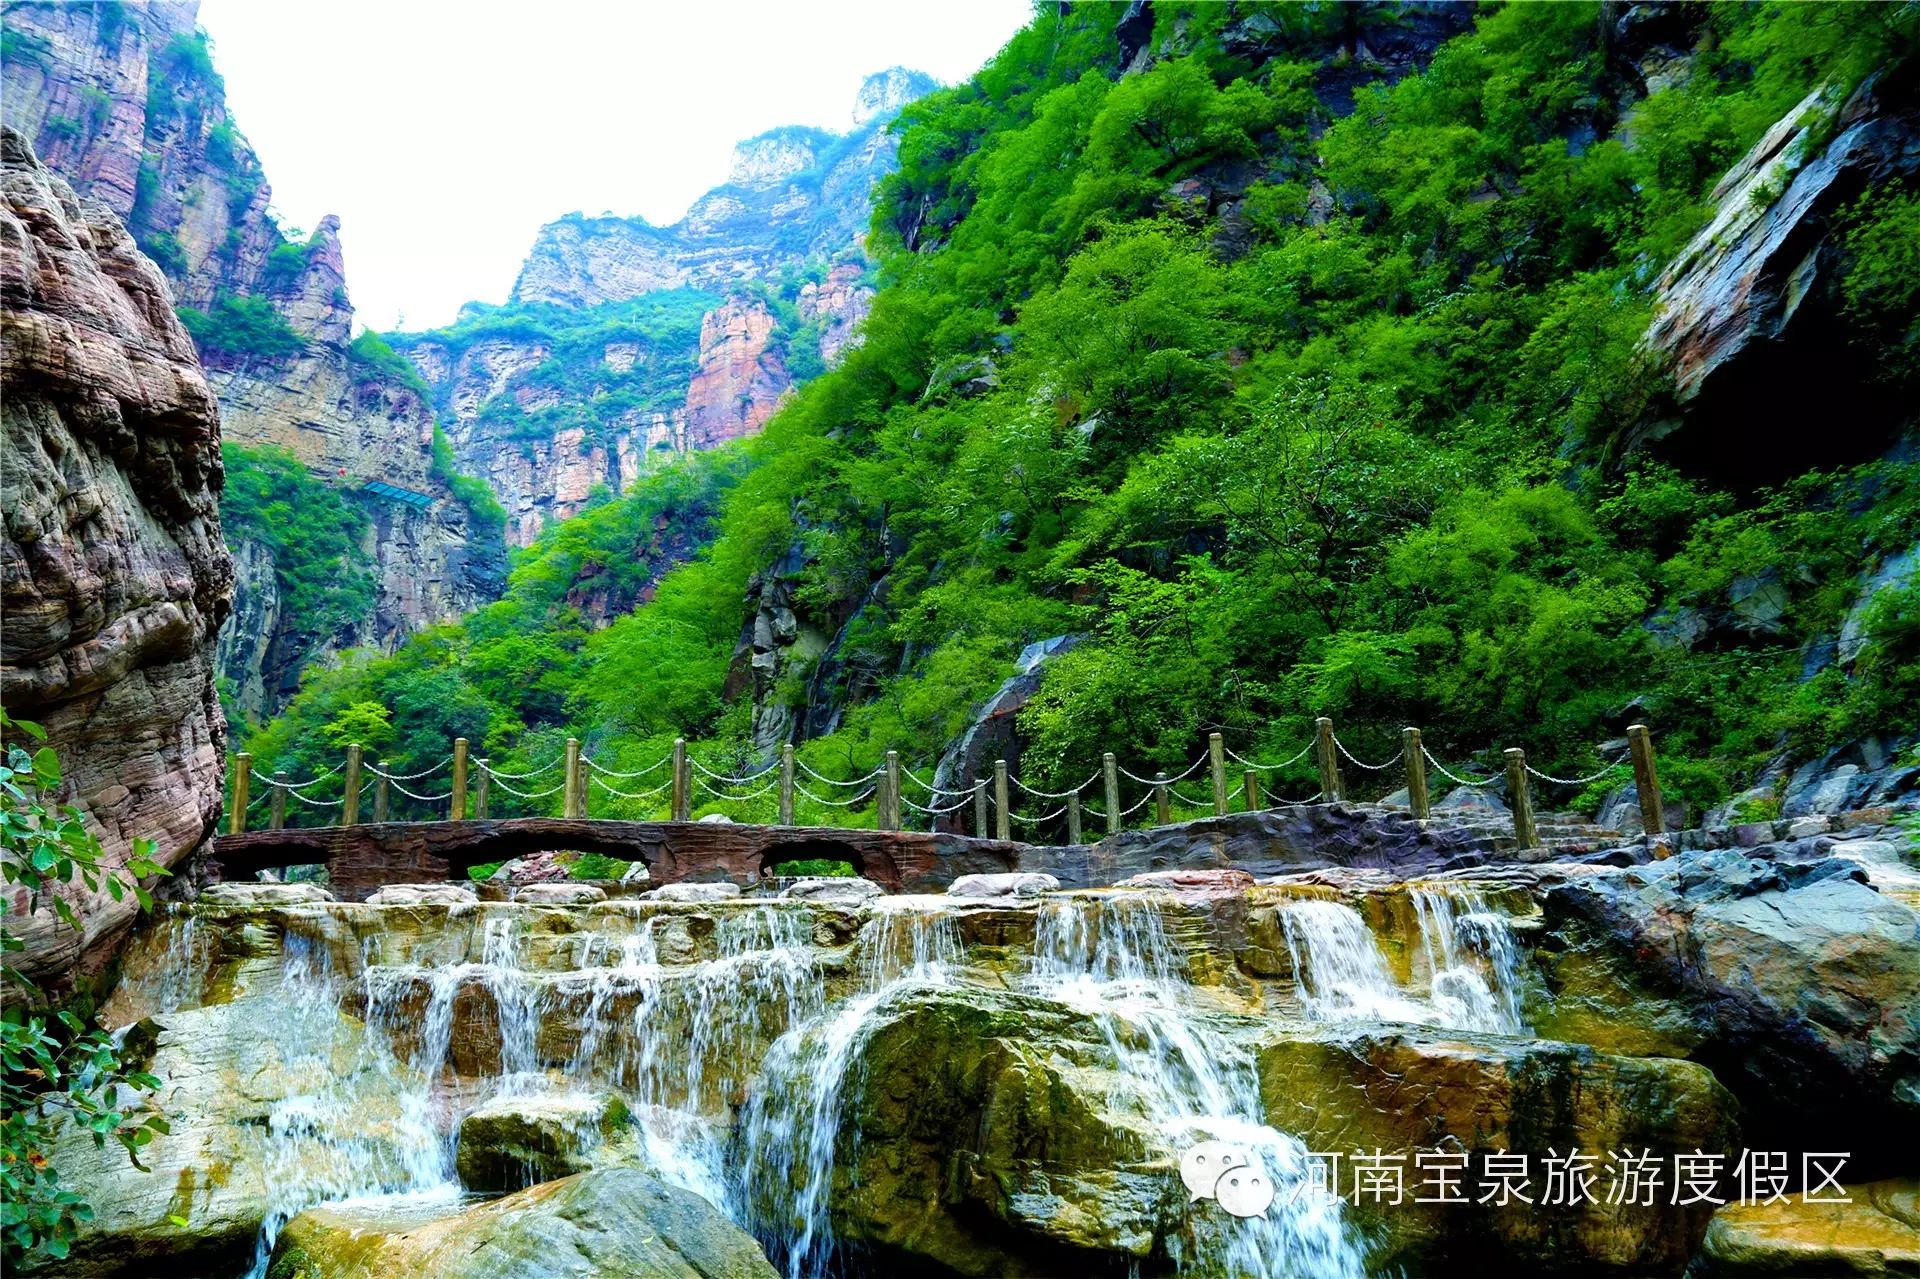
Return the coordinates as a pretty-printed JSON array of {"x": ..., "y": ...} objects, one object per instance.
[
  {"x": 1875, "y": 1236},
  {"x": 1351, "y": 1091},
  {"x": 116, "y": 578},
  {"x": 616, "y": 1221},
  {"x": 1796, "y": 982},
  {"x": 512, "y": 1142}
]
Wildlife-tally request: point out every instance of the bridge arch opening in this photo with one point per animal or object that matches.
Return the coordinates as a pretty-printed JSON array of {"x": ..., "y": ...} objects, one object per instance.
[{"x": 811, "y": 857}]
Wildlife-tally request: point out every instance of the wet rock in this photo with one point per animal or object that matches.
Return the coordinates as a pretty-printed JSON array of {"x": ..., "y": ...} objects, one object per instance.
[
  {"x": 1876, "y": 1235},
  {"x": 263, "y": 894},
  {"x": 695, "y": 892},
  {"x": 1366, "y": 1090},
  {"x": 842, "y": 888},
  {"x": 615, "y": 1221},
  {"x": 423, "y": 895},
  {"x": 1225, "y": 880},
  {"x": 559, "y": 894},
  {"x": 1019, "y": 884},
  {"x": 513, "y": 1142},
  {"x": 1795, "y": 981},
  {"x": 637, "y": 873}
]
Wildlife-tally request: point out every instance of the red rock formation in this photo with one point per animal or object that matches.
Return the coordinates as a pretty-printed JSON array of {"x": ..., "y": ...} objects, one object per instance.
[
  {"x": 740, "y": 380},
  {"x": 114, "y": 579},
  {"x": 843, "y": 302}
]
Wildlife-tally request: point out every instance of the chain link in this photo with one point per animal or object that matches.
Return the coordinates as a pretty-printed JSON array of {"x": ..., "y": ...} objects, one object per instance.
[
  {"x": 655, "y": 793},
  {"x": 858, "y": 781},
  {"x": 497, "y": 775},
  {"x": 731, "y": 781},
  {"x": 835, "y": 803},
  {"x": 1446, "y": 772},
  {"x": 935, "y": 811},
  {"x": 1048, "y": 794},
  {"x": 1571, "y": 781},
  {"x": 610, "y": 772},
  {"x": 1360, "y": 763},
  {"x": 1182, "y": 776},
  {"x": 701, "y": 782},
  {"x": 1241, "y": 759},
  {"x": 555, "y": 789}
]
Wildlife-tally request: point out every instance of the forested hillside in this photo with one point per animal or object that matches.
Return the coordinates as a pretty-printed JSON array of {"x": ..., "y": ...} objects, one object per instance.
[{"x": 1302, "y": 361}]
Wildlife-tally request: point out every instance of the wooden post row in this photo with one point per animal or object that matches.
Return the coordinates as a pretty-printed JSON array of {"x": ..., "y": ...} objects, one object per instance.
[
  {"x": 786, "y": 785},
  {"x": 350, "y": 797},
  {"x": 1646, "y": 780},
  {"x": 1162, "y": 811},
  {"x": 1217, "y": 760},
  {"x": 242, "y": 784},
  {"x": 1253, "y": 791},
  {"x": 1520, "y": 796},
  {"x": 481, "y": 789},
  {"x": 979, "y": 809},
  {"x": 1073, "y": 818},
  {"x": 277, "y": 805},
  {"x": 1002, "y": 817},
  {"x": 382, "y": 790},
  {"x": 1418, "y": 801},
  {"x": 458, "y": 808}
]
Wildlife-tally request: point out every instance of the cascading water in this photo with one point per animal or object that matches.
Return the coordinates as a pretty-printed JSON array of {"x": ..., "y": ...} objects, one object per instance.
[
  {"x": 1472, "y": 964},
  {"x": 1113, "y": 961},
  {"x": 791, "y": 1125}
]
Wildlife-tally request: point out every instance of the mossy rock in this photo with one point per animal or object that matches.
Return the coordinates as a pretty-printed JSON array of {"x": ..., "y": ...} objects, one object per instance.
[{"x": 513, "y": 1142}]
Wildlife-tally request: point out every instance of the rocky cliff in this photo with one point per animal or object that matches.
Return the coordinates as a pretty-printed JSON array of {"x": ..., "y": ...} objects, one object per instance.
[
  {"x": 116, "y": 578},
  {"x": 626, "y": 345},
  {"x": 124, "y": 101},
  {"x": 791, "y": 194}
]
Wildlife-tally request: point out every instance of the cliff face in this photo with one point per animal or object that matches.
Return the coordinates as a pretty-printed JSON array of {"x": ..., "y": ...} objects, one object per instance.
[
  {"x": 791, "y": 194},
  {"x": 123, "y": 100},
  {"x": 627, "y": 344},
  {"x": 115, "y": 576}
]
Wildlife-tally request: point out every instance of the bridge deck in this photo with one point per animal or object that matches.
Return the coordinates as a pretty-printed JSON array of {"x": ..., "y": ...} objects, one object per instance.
[{"x": 362, "y": 858}]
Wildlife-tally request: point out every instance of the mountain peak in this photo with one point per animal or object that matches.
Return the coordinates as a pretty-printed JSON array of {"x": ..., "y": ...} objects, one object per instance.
[{"x": 885, "y": 92}]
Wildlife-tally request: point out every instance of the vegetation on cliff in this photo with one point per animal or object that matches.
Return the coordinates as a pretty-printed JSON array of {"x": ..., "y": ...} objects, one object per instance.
[
  {"x": 1291, "y": 410},
  {"x": 56, "y": 1068}
]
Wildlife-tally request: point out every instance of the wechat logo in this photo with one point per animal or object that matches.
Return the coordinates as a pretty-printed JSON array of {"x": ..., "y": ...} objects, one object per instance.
[{"x": 1232, "y": 1176}]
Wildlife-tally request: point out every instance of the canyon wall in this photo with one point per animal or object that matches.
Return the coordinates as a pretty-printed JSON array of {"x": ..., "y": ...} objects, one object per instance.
[
  {"x": 115, "y": 576},
  {"x": 124, "y": 102}
]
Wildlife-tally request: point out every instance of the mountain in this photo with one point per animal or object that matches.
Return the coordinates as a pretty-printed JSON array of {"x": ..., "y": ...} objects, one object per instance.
[
  {"x": 1237, "y": 365},
  {"x": 124, "y": 102},
  {"x": 625, "y": 345}
]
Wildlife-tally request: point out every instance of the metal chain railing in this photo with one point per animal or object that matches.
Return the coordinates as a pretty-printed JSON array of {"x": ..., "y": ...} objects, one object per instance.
[{"x": 1449, "y": 773}]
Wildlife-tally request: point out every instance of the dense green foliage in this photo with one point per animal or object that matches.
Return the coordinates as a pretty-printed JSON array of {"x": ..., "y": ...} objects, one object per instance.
[
  {"x": 241, "y": 326},
  {"x": 57, "y": 1070},
  {"x": 313, "y": 531},
  {"x": 1352, "y": 451}
]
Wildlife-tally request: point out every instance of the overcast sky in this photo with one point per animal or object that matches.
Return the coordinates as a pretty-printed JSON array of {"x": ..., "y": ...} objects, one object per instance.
[{"x": 443, "y": 134}]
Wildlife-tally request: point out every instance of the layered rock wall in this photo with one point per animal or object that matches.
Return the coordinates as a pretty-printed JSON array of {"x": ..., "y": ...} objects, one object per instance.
[{"x": 115, "y": 575}]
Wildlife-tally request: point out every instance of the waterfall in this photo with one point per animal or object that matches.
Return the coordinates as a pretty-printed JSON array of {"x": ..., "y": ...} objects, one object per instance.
[
  {"x": 1472, "y": 964},
  {"x": 791, "y": 1126},
  {"x": 1113, "y": 961}
]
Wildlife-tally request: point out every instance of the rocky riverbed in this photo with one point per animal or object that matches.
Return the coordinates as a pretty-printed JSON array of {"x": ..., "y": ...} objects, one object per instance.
[{"x": 1005, "y": 1079}]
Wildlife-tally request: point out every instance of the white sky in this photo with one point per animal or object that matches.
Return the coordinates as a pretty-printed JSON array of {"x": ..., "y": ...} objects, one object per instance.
[{"x": 444, "y": 132}]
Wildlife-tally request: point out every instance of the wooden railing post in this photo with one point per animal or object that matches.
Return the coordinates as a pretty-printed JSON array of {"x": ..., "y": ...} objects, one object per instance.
[
  {"x": 1253, "y": 791},
  {"x": 1520, "y": 795},
  {"x": 979, "y": 809},
  {"x": 277, "y": 802},
  {"x": 1073, "y": 818},
  {"x": 1110, "y": 776},
  {"x": 570, "y": 797},
  {"x": 786, "y": 785},
  {"x": 1002, "y": 815},
  {"x": 1418, "y": 801},
  {"x": 1162, "y": 810},
  {"x": 459, "y": 807},
  {"x": 1324, "y": 755},
  {"x": 382, "y": 790},
  {"x": 350, "y": 797},
  {"x": 682, "y": 782},
  {"x": 1217, "y": 759},
  {"x": 242, "y": 794},
  {"x": 891, "y": 815},
  {"x": 481, "y": 788},
  {"x": 1646, "y": 780}
]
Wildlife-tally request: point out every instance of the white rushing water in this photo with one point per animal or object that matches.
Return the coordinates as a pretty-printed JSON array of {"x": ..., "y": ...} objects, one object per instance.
[
  {"x": 1114, "y": 962},
  {"x": 734, "y": 1036},
  {"x": 1471, "y": 964}
]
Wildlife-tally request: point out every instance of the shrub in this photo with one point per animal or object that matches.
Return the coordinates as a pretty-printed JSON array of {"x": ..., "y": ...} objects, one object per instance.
[{"x": 245, "y": 326}]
